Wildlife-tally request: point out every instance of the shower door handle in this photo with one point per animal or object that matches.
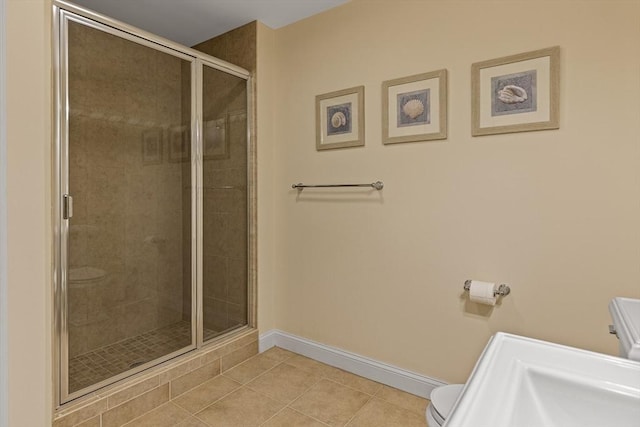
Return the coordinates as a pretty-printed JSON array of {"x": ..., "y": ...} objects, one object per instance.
[{"x": 67, "y": 206}]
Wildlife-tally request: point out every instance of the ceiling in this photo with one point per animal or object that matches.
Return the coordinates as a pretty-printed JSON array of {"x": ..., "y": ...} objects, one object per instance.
[{"x": 189, "y": 22}]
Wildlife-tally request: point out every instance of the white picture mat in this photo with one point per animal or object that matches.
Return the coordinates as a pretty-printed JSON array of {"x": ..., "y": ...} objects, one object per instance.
[
  {"x": 355, "y": 113},
  {"x": 542, "y": 66},
  {"x": 214, "y": 138},
  {"x": 434, "y": 102}
]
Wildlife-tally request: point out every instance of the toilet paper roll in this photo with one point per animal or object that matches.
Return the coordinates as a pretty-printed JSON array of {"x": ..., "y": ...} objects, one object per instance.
[{"x": 482, "y": 292}]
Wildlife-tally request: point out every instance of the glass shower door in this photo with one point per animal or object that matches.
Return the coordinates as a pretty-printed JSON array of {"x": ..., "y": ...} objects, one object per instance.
[
  {"x": 129, "y": 205},
  {"x": 224, "y": 219}
]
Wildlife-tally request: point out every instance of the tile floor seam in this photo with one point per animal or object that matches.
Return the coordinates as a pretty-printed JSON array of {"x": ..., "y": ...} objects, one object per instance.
[
  {"x": 201, "y": 420},
  {"x": 394, "y": 404},
  {"x": 213, "y": 403},
  {"x": 320, "y": 378},
  {"x": 274, "y": 415},
  {"x": 359, "y": 409},
  {"x": 353, "y": 388},
  {"x": 310, "y": 416},
  {"x": 259, "y": 375},
  {"x": 349, "y": 387}
]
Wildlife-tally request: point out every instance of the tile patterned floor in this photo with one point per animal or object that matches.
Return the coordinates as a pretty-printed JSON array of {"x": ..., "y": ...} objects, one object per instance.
[
  {"x": 98, "y": 365},
  {"x": 279, "y": 388}
]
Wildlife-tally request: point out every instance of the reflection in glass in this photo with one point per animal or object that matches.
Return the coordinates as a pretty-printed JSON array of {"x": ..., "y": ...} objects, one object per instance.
[{"x": 225, "y": 202}]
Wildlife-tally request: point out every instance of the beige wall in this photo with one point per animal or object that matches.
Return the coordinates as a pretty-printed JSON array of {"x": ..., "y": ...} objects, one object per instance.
[
  {"x": 552, "y": 213},
  {"x": 28, "y": 211},
  {"x": 266, "y": 78}
]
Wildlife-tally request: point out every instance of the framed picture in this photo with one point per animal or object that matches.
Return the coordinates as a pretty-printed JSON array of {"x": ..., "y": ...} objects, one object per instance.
[
  {"x": 179, "y": 144},
  {"x": 516, "y": 93},
  {"x": 215, "y": 141},
  {"x": 340, "y": 119},
  {"x": 152, "y": 147},
  {"x": 414, "y": 108}
]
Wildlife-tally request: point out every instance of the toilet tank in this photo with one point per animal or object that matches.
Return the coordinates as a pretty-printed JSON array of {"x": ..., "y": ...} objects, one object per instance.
[{"x": 625, "y": 313}]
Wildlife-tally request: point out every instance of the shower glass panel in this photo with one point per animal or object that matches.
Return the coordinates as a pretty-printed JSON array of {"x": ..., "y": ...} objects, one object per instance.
[
  {"x": 129, "y": 240},
  {"x": 224, "y": 175}
]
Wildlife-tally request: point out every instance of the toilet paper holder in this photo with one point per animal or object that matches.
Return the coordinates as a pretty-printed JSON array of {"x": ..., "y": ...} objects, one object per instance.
[{"x": 503, "y": 290}]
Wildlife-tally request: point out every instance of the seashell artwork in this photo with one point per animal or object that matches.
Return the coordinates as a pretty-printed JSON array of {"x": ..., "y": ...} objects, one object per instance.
[
  {"x": 338, "y": 119},
  {"x": 413, "y": 108},
  {"x": 512, "y": 94}
]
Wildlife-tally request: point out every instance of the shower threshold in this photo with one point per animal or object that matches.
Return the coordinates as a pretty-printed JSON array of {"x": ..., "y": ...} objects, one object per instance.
[{"x": 105, "y": 362}]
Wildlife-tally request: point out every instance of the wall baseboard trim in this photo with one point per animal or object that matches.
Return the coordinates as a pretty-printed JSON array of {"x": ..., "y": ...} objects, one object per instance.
[{"x": 384, "y": 373}]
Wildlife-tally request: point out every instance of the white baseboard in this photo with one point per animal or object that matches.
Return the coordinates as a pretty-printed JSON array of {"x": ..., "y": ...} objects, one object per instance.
[{"x": 393, "y": 376}]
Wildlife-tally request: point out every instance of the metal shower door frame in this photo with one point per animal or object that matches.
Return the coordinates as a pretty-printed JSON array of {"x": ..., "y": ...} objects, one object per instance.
[{"x": 63, "y": 14}]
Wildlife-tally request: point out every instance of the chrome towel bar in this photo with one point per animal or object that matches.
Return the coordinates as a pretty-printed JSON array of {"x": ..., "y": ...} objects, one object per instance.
[{"x": 378, "y": 185}]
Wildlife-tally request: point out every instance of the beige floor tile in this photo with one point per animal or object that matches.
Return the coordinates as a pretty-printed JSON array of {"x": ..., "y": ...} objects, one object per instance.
[
  {"x": 378, "y": 413},
  {"x": 402, "y": 399},
  {"x": 290, "y": 418},
  {"x": 242, "y": 408},
  {"x": 206, "y": 394},
  {"x": 354, "y": 381},
  {"x": 167, "y": 415},
  {"x": 284, "y": 383},
  {"x": 279, "y": 354},
  {"x": 246, "y": 371},
  {"x": 191, "y": 422},
  {"x": 330, "y": 402},
  {"x": 312, "y": 366}
]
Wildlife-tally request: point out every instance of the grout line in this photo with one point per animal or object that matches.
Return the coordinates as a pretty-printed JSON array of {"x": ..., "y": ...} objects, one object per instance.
[
  {"x": 359, "y": 409},
  {"x": 274, "y": 415},
  {"x": 309, "y": 416},
  {"x": 215, "y": 401}
]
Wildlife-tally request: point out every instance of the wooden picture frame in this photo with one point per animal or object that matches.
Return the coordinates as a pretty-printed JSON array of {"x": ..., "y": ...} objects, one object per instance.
[
  {"x": 340, "y": 119},
  {"x": 179, "y": 144},
  {"x": 516, "y": 93},
  {"x": 414, "y": 108},
  {"x": 152, "y": 147}
]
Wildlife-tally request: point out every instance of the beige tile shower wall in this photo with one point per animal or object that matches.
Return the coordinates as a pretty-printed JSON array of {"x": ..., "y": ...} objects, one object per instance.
[
  {"x": 225, "y": 209},
  {"x": 128, "y": 210},
  {"x": 553, "y": 213}
]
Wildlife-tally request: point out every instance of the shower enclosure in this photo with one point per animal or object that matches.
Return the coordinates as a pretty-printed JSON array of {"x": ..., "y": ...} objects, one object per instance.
[{"x": 152, "y": 228}]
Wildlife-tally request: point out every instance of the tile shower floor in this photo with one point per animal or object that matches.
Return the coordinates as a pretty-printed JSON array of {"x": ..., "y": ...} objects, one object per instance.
[
  {"x": 105, "y": 362},
  {"x": 279, "y": 388}
]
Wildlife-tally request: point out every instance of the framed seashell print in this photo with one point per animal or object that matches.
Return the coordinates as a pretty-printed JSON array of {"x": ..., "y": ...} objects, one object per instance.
[
  {"x": 340, "y": 119},
  {"x": 516, "y": 93},
  {"x": 414, "y": 108}
]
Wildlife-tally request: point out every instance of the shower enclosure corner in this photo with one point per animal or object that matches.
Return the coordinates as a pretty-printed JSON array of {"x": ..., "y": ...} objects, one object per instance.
[{"x": 152, "y": 210}]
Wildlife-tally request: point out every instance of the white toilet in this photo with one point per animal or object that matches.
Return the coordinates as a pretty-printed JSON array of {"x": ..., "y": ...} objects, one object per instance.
[
  {"x": 442, "y": 400},
  {"x": 626, "y": 326}
]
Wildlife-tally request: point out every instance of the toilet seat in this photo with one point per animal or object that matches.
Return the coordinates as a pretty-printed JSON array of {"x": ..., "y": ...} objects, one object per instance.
[{"x": 442, "y": 401}]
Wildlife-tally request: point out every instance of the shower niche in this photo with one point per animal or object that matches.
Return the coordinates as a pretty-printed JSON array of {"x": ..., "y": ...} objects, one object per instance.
[{"x": 152, "y": 210}]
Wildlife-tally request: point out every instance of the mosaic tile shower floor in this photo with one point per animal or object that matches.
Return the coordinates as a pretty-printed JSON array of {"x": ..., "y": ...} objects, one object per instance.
[{"x": 105, "y": 362}]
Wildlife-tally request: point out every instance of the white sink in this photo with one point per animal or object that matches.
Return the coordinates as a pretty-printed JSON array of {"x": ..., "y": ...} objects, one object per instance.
[{"x": 522, "y": 382}]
